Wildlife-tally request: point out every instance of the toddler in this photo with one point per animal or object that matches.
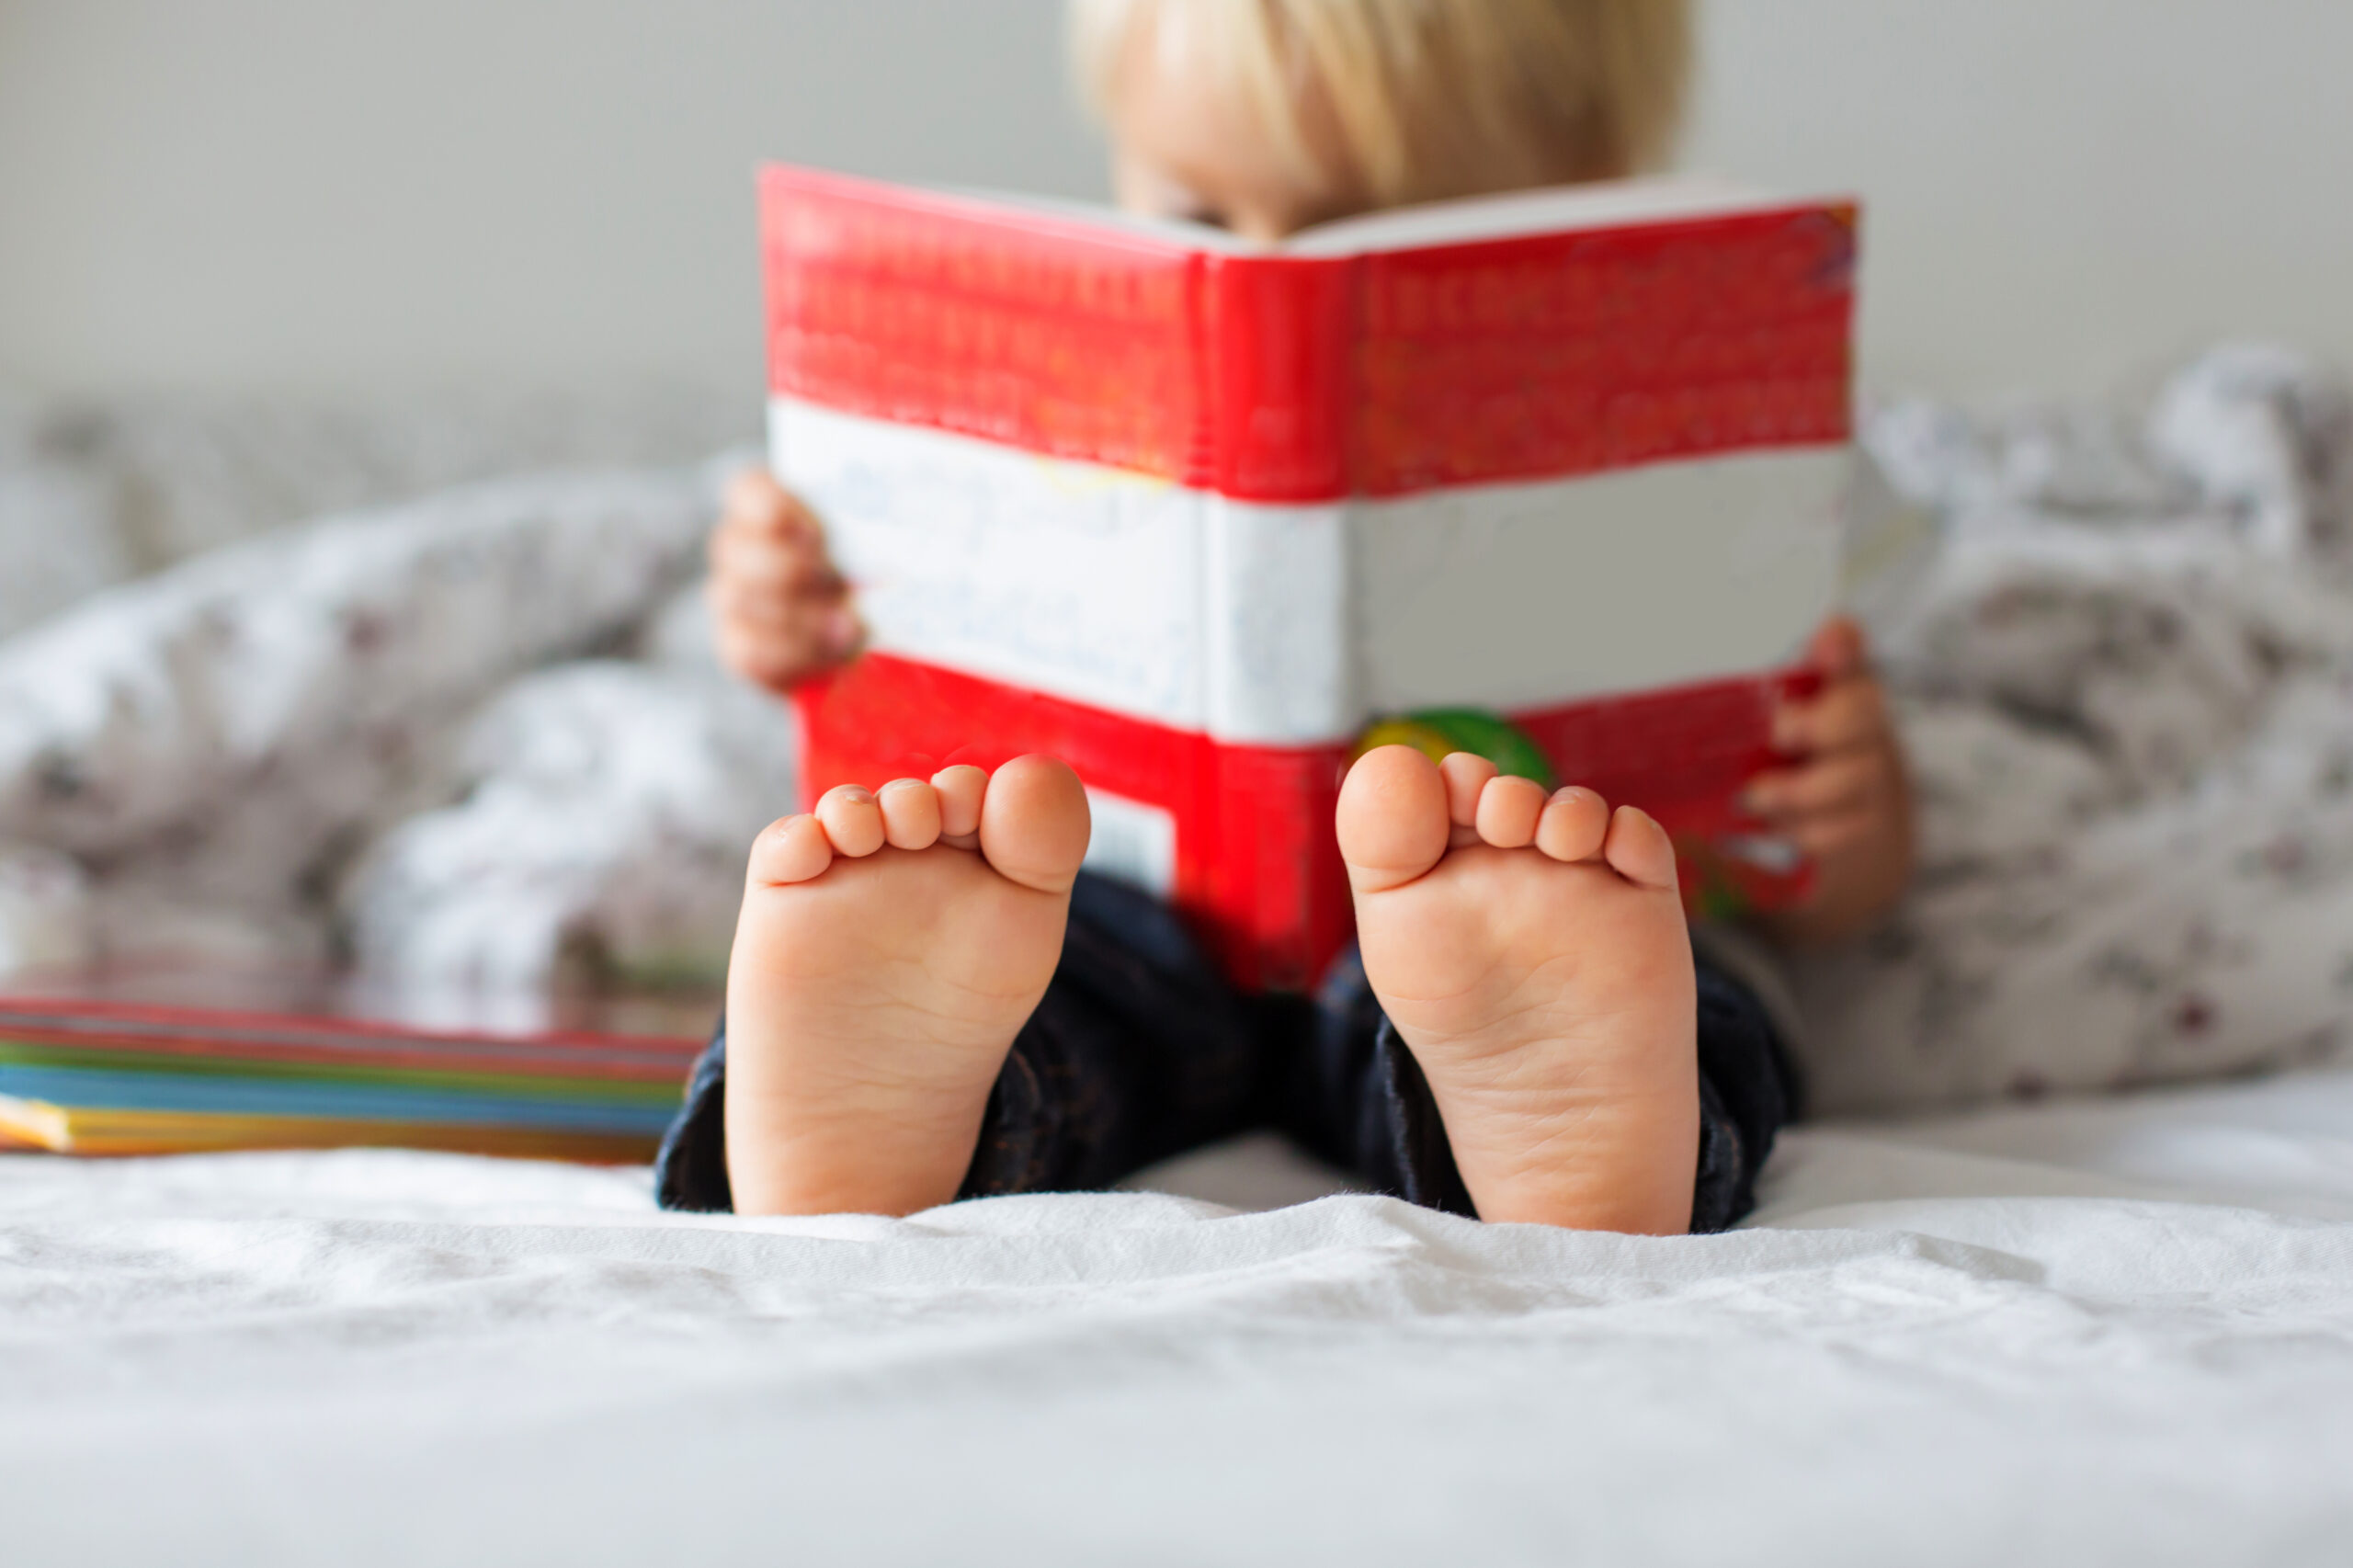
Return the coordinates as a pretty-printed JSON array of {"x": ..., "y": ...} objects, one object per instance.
[{"x": 928, "y": 999}]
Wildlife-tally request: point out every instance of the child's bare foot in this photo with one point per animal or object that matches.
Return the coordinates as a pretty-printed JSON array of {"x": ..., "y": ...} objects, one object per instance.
[
  {"x": 1533, "y": 953},
  {"x": 891, "y": 945}
]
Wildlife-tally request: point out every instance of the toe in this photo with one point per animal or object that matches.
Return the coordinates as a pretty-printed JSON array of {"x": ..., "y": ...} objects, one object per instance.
[
  {"x": 1574, "y": 822},
  {"x": 793, "y": 849},
  {"x": 1392, "y": 820},
  {"x": 853, "y": 819},
  {"x": 1466, "y": 777},
  {"x": 1640, "y": 850},
  {"x": 1508, "y": 810},
  {"x": 910, "y": 813},
  {"x": 1034, "y": 823},
  {"x": 960, "y": 790}
]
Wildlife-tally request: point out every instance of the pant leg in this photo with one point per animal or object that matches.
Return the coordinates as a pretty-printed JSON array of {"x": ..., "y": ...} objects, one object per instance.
[
  {"x": 1352, "y": 1092},
  {"x": 1140, "y": 1048}
]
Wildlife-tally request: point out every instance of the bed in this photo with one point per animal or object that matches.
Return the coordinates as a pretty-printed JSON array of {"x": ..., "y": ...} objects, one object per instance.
[
  {"x": 2079, "y": 1333},
  {"x": 466, "y": 727}
]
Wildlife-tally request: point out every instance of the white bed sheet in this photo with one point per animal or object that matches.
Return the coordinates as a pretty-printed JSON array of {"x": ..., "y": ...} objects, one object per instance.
[{"x": 2115, "y": 1332}]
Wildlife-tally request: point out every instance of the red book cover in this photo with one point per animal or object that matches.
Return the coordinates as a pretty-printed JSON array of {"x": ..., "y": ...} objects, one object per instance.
[{"x": 1554, "y": 475}]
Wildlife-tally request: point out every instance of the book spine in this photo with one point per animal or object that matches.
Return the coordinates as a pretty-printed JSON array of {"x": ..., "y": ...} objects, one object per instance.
[
  {"x": 1278, "y": 613},
  {"x": 1278, "y": 339},
  {"x": 1278, "y": 608}
]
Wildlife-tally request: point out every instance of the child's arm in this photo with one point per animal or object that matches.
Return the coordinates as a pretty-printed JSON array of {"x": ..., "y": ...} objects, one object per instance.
[
  {"x": 782, "y": 612},
  {"x": 1846, "y": 800}
]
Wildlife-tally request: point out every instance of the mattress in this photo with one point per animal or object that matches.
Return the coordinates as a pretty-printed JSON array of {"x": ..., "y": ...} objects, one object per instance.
[{"x": 2085, "y": 1332}]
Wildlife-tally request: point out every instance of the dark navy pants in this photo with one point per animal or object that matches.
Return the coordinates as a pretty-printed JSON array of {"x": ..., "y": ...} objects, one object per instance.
[{"x": 1140, "y": 1050}]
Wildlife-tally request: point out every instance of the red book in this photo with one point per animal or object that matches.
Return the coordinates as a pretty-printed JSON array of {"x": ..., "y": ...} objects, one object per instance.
[{"x": 1554, "y": 475}]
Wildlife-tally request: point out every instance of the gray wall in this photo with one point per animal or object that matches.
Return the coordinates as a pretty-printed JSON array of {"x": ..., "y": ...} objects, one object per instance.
[
  {"x": 338, "y": 193},
  {"x": 2062, "y": 194},
  {"x": 288, "y": 195}
]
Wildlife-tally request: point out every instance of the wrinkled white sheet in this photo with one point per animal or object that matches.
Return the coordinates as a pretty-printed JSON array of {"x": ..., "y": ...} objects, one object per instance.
[
  {"x": 2125, "y": 679},
  {"x": 2076, "y": 1334},
  {"x": 334, "y": 712},
  {"x": 378, "y": 730}
]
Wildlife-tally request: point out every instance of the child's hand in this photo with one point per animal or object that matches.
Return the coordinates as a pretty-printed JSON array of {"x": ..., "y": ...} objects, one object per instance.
[
  {"x": 1845, "y": 800},
  {"x": 782, "y": 611}
]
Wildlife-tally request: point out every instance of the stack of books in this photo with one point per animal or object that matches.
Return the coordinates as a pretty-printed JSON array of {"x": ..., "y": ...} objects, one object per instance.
[{"x": 97, "y": 1075}]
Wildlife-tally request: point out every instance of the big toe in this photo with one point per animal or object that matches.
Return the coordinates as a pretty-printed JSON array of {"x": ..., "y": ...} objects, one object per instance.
[
  {"x": 1392, "y": 820},
  {"x": 1640, "y": 850},
  {"x": 1034, "y": 823}
]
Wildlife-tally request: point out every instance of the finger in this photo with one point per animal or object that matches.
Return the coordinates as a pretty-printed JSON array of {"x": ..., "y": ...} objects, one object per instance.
[
  {"x": 1844, "y": 782},
  {"x": 756, "y": 610},
  {"x": 1837, "y": 648},
  {"x": 1507, "y": 812},
  {"x": 755, "y": 503},
  {"x": 806, "y": 639},
  {"x": 776, "y": 660},
  {"x": 1576, "y": 820},
  {"x": 762, "y": 660},
  {"x": 1831, "y": 834},
  {"x": 1639, "y": 850},
  {"x": 825, "y": 634},
  {"x": 1847, "y": 713},
  {"x": 1465, "y": 776},
  {"x": 773, "y": 575},
  {"x": 853, "y": 821},
  {"x": 840, "y": 633},
  {"x": 773, "y": 565},
  {"x": 961, "y": 790},
  {"x": 910, "y": 813},
  {"x": 790, "y": 849},
  {"x": 815, "y": 627}
]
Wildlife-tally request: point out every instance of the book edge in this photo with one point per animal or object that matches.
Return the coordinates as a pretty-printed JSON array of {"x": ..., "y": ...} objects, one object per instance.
[{"x": 1595, "y": 206}]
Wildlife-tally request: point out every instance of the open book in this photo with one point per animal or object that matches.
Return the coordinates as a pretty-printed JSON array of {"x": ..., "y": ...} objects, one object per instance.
[{"x": 1554, "y": 475}]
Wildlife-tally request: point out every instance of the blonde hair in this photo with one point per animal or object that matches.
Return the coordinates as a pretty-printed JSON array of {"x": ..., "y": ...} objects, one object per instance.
[{"x": 1426, "y": 98}]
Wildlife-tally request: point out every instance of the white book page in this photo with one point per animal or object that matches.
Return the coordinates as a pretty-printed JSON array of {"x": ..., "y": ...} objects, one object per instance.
[
  {"x": 1181, "y": 232},
  {"x": 1554, "y": 209}
]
